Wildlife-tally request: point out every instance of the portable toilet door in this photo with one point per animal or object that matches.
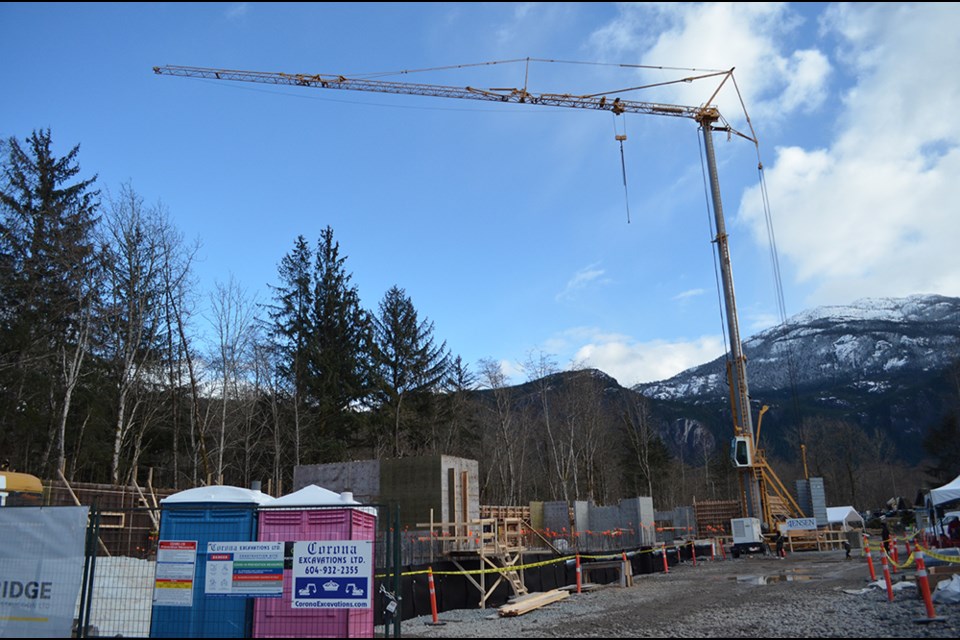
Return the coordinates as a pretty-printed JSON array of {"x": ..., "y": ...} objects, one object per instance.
[
  {"x": 188, "y": 521},
  {"x": 315, "y": 514}
]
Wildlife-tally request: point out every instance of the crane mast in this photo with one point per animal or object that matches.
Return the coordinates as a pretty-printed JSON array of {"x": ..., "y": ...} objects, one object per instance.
[{"x": 756, "y": 477}]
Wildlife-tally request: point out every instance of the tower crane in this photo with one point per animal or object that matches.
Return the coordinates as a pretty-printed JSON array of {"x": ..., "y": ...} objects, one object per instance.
[{"x": 762, "y": 495}]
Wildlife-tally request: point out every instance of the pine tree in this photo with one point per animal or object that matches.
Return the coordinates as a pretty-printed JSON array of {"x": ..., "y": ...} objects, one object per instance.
[
  {"x": 291, "y": 330},
  {"x": 411, "y": 369},
  {"x": 48, "y": 268},
  {"x": 339, "y": 355}
]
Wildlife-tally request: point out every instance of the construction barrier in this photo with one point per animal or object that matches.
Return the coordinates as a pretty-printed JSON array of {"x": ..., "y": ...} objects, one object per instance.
[
  {"x": 925, "y": 589},
  {"x": 866, "y": 550},
  {"x": 579, "y": 574},
  {"x": 886, "y": 575},
  {"x": 433, "y": 597}
]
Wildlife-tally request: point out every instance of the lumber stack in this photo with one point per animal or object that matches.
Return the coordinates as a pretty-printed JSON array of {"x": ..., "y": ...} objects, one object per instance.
[{"x": 531, "y": 601}]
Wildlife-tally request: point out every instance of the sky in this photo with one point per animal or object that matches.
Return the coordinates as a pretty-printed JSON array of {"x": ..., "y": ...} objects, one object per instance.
[{"x": 525, "y": 233}]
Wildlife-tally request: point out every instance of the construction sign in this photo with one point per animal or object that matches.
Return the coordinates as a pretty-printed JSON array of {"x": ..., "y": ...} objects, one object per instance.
[{"x": 332, "y": 574}]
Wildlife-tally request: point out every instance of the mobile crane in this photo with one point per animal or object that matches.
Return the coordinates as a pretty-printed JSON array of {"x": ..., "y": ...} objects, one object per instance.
[{"x": 762, "y": 496}]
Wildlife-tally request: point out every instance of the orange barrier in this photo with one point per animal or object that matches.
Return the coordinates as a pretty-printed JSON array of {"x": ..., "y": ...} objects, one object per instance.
[
  {"x": 924, "y": 588},
  {"x": 866, "y": 548},
  {"x": 886, "y": 575},
  {"x": 579, "y": 574},
  {"x": 433, "y": 597}
]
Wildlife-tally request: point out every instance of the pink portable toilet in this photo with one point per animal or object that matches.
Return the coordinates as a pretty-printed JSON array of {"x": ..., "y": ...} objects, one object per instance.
[{"x": 315, "y": 514}]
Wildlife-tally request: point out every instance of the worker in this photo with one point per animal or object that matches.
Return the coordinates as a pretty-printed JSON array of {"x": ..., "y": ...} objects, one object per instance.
[
  {"x": 953, "y": 530},
  {"x": 781, "y": 554}
]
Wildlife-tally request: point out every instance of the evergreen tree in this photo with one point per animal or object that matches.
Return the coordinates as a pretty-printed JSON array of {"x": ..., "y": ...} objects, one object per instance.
[
  {"x": 411, "y": 369},
  {"x": 339, "y": 354},
  {"x": 323, "y": 342},
  {"x": 942, "y": 444},
  {"x": 291, "y": 330},
  {"x": 48, "y": 268}
]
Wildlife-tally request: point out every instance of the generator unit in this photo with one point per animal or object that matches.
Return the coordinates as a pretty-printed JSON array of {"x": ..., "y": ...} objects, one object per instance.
[{"x": 747, "y": 537}]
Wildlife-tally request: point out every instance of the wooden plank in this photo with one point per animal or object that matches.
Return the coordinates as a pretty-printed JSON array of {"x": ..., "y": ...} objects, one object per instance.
[{"x": 532, "y": 601}]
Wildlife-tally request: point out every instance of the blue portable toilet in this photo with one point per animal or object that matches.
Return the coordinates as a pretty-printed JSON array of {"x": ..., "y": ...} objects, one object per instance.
[{"x": 195, "y": 517}]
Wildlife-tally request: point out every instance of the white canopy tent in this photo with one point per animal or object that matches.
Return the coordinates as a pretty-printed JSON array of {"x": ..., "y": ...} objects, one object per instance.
[
  {"x": 949, "y": 492},
  {"x": 847, "y": 517}
]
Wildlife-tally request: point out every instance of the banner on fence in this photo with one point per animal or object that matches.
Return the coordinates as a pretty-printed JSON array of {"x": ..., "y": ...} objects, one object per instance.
[
  {"x": 41, "y": 569},
  {"x": 176, "y": 568},
  {"x": 333, "y": 574},
  {"x": 247, "y": 569}
]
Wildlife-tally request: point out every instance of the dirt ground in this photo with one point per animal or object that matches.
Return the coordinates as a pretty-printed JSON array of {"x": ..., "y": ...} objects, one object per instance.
[{"x": 808, "y": 594}]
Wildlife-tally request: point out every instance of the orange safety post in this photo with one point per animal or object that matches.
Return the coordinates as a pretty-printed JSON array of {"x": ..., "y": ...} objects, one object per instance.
[
  {"x": 663, "y": 550},
  {"x": 895, "y": 558},
  {"x": 866, "y": 548},
  {"x": 433, "y": 597},
  {"x": 578, "y": 573},
  {"x": 886, "y": 576},
  {"x": 925, "y": 588},
  {"x": 693, "y": 551},
  {"x": 723, "y": 549}
]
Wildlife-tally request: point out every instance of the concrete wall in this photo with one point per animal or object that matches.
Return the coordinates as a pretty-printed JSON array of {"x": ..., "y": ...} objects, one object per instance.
[
  {"x": 361, "y": 477},
  {"x": 634, "y": 515},
  {"x": 417, "y": 485}
]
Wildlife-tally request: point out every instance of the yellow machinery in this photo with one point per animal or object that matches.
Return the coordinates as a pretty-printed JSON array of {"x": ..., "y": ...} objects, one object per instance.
[{"x": 20, "y": 489}]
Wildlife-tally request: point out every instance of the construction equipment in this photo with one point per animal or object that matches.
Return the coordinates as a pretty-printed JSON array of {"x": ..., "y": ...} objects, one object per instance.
[{"x": 757, "y": 479}]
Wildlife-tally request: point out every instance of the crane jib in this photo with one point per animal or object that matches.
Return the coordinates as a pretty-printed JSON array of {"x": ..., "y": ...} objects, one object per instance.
[{"x": 517, "y": 96}]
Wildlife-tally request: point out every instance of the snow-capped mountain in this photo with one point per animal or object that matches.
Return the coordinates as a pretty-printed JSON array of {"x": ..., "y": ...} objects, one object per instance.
[
  {"x": 889, "y": 365},
  {"x": 868, "y": 344}
]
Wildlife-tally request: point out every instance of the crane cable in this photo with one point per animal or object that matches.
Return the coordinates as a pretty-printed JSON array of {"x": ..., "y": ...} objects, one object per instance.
[
  {"x": 778, "y": 282},
  {"x": 623, "y": 163}
]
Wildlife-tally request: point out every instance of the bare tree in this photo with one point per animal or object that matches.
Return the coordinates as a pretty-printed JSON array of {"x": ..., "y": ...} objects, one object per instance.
[
  {"x": 233, "y": 324},
  {"x": 504, "y": 447},
  {"x": 133, "y": 236}
]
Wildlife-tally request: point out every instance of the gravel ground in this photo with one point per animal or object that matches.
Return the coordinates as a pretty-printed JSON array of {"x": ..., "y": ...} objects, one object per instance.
[{"x": 811, "y": 594}]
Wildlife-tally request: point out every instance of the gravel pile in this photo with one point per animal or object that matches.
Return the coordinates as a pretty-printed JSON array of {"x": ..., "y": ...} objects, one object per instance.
[{"x": 815, "y": 594}]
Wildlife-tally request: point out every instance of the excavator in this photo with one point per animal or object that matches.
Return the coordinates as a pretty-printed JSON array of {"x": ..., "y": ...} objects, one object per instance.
[{"x": 764, "y": 500}]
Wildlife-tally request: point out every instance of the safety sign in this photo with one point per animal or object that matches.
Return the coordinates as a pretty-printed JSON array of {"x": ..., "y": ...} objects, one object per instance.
[
  {"x": 176, "y": 567},
  {"x": 246, "y": 569}
]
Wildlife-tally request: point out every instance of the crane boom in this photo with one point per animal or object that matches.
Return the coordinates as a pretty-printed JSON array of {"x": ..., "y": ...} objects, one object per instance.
[
  {"x": 756, "y": 476},
  {"x": 516, "y": 96}
]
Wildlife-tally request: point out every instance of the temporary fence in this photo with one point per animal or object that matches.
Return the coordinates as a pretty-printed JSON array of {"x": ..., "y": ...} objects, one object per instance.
[
  {"x": 275, "y": 574},
  {"x": 211, "y": 583}
]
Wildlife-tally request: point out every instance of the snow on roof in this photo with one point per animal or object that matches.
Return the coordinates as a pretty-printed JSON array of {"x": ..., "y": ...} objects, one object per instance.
[
  {"x": 218, "y": 493},
  {"x": 312, "y": 496}
]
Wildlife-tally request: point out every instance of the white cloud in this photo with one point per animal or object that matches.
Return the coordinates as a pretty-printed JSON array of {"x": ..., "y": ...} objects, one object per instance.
[
  {"x": 632, "y": 362},
  {"x": 690, "y": 293},
  {"x": 238, "y": 10},
  {"x": 580, "y": 280},
  {"x": 748, "y": 37},
  {"x": 873, "y": 214}
]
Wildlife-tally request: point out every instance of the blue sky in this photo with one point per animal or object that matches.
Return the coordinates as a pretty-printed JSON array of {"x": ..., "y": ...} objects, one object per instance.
[{"x": 508, "y": 225}]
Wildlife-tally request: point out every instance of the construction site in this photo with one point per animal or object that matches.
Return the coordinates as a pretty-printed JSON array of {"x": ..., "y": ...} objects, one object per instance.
[{"x": 435, "y": 548}]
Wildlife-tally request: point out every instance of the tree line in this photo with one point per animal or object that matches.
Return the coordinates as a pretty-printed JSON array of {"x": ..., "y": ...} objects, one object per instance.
[{"x": 104, "y": 373}]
